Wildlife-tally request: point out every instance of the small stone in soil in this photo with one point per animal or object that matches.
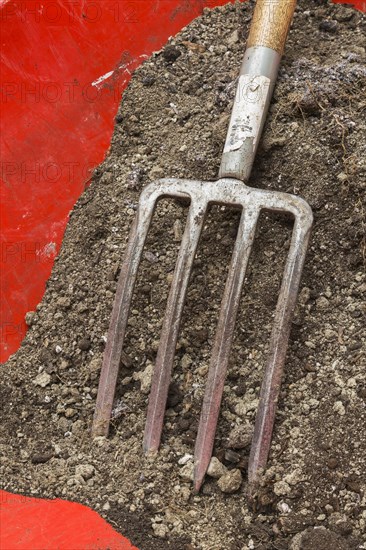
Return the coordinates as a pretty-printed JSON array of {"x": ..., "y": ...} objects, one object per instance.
[
  {"x": 41, "y": 458},
  {"x": 230, "y": 482},
  {"x": 329, "y": 25},
  {"x": 171, "y": 53},
  {"x": 42, "y": 379},
  {"x": 84, "y": 344},
  {"x": 145, "y": 378},
  {"x": 332, "y": 463},
  {"x": 281, "y": 488},
  {"x": 186, "y": 473},
  {"x": 216, "y": 469},
  {"x": 160, "y": 530},
  {"x": 86, "y": 471},
  {"x": 320, "y": 538},
  {"x": 30, "y": 318},
  {"x": 232, "y": 456},
  {"x": 240, "y": 436}
]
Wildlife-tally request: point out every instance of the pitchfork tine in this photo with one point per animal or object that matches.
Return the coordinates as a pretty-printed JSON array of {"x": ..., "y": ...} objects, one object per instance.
[
  {"x": 119, "y": 318},
  {"x": 222, "y": 345},
  {"x": 277, "y": 351},
  {"x": 169, "y": 333}
]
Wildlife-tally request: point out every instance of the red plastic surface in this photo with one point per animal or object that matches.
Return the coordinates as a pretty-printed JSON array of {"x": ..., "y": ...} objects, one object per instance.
[
  {"x": 31, "y": 524},
  {"x": 64, "y": 65}
]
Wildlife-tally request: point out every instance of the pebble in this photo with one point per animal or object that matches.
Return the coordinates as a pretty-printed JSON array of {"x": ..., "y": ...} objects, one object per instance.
[
  {"x": 329, "y": 25},
  {"x": 202, "y": 371},
  {"x": 240, "y": 437},
  {"x": 78, "y": 427},
  {"x": 216, "y": 469},
  {"x": 185, "y": 459},
  {"x": 145, "y": 378},
  {"x": 332, "y": 463},
  {"x": 171, "y": 53},
  {"x": 322, "y": 302},
  {"x": 304, "y": 295},
  {"x": 272, "y": 142},
  {"x": 243, "y": 407},
  {"x": 295, "y": 477},
  {"x": 186, "y": 473},
  {"x": 230, "y": 482},
  {"x": 106, "y": 178},
  {"x": 69, "y": 412},
  {"x": 313, "y": 403},
  {"x": 319, "y": 537},
  {"x": 186, "y": 361},
  {"x": 84, "y": 344},
  {"x": 281, "y": 488},
  {"x": 342, "y": 177},
  {"x": 338, "y": 408},
  {"x": 232, "y": 456},
  {"x": 86, "y": 471},
  {"x": 156, "y": 172},
  {"x": 150, "y": 257},
  {"x": 149, "y": 81},
  {"x": 194, "y": 47},
  {"x": 42, "y": 379},
  {"x": 41, "y": 458},
  {"x": 160, "y": 530},
  {"x": 283, "y": 507},
  {"x": 233, "y": 38},
  {"x": 30, "y": 317},
  {"x": 64, "y": 302}
]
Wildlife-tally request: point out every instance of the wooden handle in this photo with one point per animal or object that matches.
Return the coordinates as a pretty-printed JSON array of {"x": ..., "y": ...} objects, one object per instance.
[{"x": 270, "y": 24}]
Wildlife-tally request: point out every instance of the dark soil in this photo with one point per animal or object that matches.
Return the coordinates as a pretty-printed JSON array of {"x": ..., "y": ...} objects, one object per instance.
[{"x": 172, "y": 122}]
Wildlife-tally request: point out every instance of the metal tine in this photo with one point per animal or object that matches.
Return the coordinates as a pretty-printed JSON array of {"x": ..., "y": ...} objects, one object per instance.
[
  {"x": 271, "y": 384},
  {"x": 169, "y": 334},
  {"x": 222, "y": 345},
  {"x": 119, "y": 318}
]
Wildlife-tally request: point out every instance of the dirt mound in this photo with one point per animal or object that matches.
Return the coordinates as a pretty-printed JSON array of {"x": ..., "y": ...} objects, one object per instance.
[{"x": 172, "y": 122}]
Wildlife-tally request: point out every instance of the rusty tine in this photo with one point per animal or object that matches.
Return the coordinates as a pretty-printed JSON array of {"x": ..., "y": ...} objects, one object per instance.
[
  {"x": 257, "y": 78},
  {"x": 170, "y": 330},
  {"x": 278, "y": 344},
  {"x": 277, "y": 350},
  {"x": 222, "y": 345},
  {"x": 119, "y": 318}
]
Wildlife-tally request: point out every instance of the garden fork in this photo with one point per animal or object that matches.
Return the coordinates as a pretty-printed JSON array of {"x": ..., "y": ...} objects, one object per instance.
[{"x": 269, "y": 29}]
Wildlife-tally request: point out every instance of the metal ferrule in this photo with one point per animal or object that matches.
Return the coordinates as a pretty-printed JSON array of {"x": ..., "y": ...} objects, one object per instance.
[{"x": 256, "y": 82}]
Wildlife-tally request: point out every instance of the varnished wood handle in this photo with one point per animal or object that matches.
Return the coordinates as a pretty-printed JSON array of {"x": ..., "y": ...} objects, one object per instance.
[{"x": 270, "y": 24}]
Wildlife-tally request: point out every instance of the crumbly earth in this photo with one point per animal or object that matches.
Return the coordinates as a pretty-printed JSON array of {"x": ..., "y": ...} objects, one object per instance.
[{"x": 172, "y": 122}]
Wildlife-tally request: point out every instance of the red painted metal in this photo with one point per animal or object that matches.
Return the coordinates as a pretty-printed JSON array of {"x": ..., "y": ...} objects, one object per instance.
[{"x": 64, "y": 65}]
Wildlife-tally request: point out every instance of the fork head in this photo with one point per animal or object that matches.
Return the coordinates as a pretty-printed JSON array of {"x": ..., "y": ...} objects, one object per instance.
[{"x": 229, "y": 192}]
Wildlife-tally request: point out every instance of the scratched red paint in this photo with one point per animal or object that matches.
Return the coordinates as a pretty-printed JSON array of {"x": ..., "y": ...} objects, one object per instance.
[{"x": 64, "y": 65}]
